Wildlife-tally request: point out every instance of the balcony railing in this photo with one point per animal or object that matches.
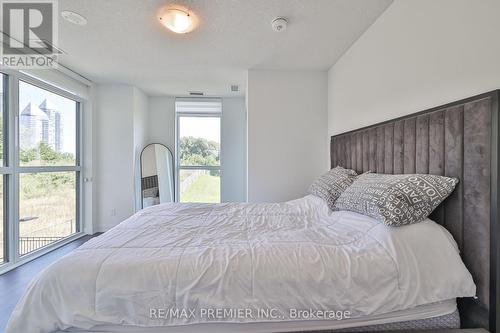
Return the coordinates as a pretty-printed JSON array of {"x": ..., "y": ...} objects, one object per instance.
[{"x": 29, "y": 244}]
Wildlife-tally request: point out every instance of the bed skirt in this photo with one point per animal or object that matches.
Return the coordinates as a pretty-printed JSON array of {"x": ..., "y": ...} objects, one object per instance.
[{"x": 448, "y": 321}]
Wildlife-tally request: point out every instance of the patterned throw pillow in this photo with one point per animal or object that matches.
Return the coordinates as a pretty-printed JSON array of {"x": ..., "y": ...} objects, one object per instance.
[
  {"x": 331, "y": 185},
  {"x": 396, "y": 200},
  {"x": 150, "y": 192}
]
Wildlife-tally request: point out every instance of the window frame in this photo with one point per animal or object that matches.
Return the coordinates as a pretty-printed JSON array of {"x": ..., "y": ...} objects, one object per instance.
[
  {"x": 12, "y": 170},
  {"x": 5, "y": 171},
  {"x": 178, "y": 166}
]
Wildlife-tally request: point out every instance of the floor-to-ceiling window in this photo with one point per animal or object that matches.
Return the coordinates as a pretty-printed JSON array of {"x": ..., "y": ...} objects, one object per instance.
[
  {"x": 40, "y": 137},
  {"x": 48, "y": 171},
  {"x": 198, "y": 149}
]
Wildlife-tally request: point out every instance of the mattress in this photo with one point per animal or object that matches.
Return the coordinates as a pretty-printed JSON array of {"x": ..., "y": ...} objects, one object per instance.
[
  {"x": 293, "y": 256},
  {"x": 442, "y": 315}
]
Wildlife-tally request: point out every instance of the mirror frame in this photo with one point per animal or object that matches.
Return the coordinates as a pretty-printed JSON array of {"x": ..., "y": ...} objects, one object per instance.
[{"x": 173, "y": 169}]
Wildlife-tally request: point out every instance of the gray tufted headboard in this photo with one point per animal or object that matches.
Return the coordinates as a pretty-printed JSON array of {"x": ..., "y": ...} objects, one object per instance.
[{"x": 459, "y": 139}]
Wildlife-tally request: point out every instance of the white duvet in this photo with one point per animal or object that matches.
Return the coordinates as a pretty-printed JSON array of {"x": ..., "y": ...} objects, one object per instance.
[{"x": 294, "y": 255}]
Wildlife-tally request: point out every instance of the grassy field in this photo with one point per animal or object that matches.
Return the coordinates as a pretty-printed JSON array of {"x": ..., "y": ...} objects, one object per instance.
[
  {"x": 48, "y": 204},
  {"x": 205, "y": 189}
]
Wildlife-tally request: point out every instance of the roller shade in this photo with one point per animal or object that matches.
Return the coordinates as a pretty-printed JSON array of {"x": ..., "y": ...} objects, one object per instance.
[
  {"x": 60, "y": 80},
  {"x": 198, "y": 105}
]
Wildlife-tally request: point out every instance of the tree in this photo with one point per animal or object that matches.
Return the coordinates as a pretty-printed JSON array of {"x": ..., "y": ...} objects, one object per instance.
[
  {"x": 45, "y": 153},
  {"x": 198, "y": 151},
  {"x": 27, "y": 155}
]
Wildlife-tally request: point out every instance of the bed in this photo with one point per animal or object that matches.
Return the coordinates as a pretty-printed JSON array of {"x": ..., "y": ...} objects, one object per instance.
[
  {"x": 299, "y": 255},
  {"x": 246, "y": 256},
  {"x": 459, "y": 139}
]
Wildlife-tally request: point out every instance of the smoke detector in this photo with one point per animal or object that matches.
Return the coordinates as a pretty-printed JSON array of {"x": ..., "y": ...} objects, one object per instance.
[{"x": 279, "y": 24}]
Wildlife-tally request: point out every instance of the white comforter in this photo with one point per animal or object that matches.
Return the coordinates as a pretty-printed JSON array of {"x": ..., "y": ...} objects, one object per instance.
[{"x": 293, "y": 255}]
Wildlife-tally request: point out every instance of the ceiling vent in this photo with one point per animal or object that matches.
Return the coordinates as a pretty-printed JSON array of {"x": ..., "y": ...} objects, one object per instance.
[
  {"x": 235, "y": 88},
  {"x": 196, "y": 93}
]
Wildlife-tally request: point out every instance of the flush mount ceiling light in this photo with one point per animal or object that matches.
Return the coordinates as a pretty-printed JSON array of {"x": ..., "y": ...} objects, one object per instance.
[
  {"x": 178, "y": 20},
  {"x": 73, "y": 17}
]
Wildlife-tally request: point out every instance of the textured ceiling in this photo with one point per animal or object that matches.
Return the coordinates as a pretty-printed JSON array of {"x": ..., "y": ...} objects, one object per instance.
[{"x": 124, "y": 43}]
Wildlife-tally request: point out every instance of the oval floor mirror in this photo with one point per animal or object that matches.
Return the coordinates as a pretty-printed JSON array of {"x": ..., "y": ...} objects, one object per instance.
[{"x": 157, "y": 175}]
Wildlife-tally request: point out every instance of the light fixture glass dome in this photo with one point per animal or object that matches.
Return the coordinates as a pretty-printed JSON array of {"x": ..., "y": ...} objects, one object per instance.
[{"x": 177, "y": 20}]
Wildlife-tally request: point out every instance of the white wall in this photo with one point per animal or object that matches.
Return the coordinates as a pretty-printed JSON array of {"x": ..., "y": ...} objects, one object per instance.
[
  {"x": 418, "y": 54},
  {"x": 119, "y": 130},
  {"x": 114, "y": 174},
  {"x": 234, "y": 150},
  {"x": 161, "y": 121},
  {"x": 141, "y": 107},
  {"x": 287, "y": 133}
]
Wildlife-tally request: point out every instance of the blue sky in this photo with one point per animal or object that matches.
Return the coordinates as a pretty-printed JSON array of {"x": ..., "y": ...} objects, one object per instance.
[{"x": 200, "y": 127}]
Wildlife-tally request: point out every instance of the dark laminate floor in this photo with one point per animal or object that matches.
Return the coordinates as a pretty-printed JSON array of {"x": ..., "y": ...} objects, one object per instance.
[{"x": 14, "y": 283}]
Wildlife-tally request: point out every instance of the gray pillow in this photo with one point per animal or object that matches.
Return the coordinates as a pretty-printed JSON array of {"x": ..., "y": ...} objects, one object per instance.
[
  {"x": 396, "y": 200},
  {"x": 150, "y": 192},
  {"x": 331, "y": 185}
]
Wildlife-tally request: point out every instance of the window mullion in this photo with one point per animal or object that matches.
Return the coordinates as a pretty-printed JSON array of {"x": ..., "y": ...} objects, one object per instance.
[
  {"x": 35, "y": 169},
  {"x": 200, "y": 167},
  {"x": 13, "y": 182},
  {"x": 6, "y": 170}
]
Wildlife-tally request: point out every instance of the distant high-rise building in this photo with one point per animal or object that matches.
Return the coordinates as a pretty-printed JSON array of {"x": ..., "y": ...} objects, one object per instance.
[
  {"x": 32, "y": 122},
  {"x": 41, "y": 124},
  {"x": 53, "y": 131}
]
